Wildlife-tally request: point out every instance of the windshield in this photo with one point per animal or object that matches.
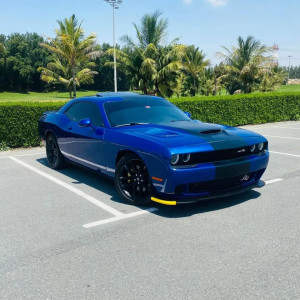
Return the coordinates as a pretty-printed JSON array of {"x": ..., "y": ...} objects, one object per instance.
[{"x": 142, "y": 111}]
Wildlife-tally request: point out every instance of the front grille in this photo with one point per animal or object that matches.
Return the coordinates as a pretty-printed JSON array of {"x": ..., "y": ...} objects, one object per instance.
[
  {"x": 221, "y": 184},
  {"x": 219, "y": 155}
]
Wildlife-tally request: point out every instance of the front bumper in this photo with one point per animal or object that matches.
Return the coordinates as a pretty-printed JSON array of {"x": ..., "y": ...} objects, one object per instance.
[
  {"x": 229, "y": 192},
  {"x": 172, "y": 178}
]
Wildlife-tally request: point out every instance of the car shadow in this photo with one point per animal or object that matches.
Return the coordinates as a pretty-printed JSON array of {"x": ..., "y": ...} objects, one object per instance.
[
  {"x": 81, "y": 176},
  {"x": 106, "y": 185}
]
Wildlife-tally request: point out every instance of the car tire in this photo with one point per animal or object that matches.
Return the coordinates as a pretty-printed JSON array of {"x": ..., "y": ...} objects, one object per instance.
[
  {"x": 54, "y": 156},
  {"x": 132, "y": 180}
]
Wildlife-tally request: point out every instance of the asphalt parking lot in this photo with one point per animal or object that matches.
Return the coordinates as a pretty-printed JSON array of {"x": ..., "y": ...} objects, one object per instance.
[{"x": 68, "y": 235}]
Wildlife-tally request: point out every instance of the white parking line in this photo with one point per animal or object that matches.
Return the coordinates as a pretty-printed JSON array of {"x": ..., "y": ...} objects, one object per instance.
[
  {"x": 273, "y": 181},
  {"x": 282, "y": 137},
  {"x": 287, "y": 154},
  {"x": 20, "y": 155},
  {"x": 70, "y": 188},
  {"x": 152, "y": 209},
  {"x": 125, "y": 216},
  {"x": 285, "y": 127},
  {"x": 264, "y": 126}
]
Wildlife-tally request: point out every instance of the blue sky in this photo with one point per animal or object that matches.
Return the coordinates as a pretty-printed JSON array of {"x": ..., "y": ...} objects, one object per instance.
[{"x": 208, "y": 24}]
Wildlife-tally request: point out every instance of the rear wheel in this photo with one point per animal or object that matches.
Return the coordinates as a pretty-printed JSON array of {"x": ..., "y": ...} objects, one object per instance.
[
  {"x": 54, "y": 156},
  {"x": 132, "y": 180}
]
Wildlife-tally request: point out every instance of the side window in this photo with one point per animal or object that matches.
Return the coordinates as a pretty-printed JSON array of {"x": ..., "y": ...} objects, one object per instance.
[{"x": 82, "y": 110}]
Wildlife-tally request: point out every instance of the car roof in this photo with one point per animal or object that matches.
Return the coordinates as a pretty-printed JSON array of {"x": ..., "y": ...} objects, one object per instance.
[
  {"x": 115, "y": 96},
  {"x": 110, "y": 97}
]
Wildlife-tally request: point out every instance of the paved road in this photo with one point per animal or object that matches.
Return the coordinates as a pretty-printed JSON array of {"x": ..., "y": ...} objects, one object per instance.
[{"x": 67, "y": 235}]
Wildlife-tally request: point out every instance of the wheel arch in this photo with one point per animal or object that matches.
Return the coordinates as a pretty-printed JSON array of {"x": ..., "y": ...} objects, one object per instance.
[
  {"x": 125, "y": 152},
  {"x": 48, "y": 132}
]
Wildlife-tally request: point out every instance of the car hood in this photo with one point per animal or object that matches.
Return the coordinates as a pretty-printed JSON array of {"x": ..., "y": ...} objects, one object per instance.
[{"x": 189, "y": 133}]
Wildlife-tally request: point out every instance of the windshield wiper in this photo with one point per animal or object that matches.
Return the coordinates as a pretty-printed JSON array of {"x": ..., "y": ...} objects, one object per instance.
[{"x": 131, "y": 124}]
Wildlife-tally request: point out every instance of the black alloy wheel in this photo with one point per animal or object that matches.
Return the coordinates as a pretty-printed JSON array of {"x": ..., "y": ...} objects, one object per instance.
[
  {"x": 132, "y": 180},
  {"x": 54, "y": 156}
]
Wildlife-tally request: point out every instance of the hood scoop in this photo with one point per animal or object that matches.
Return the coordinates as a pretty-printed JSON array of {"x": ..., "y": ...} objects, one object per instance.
[
  {"x": 211, "y": 131},
  {"x": 161, "y": 133}
]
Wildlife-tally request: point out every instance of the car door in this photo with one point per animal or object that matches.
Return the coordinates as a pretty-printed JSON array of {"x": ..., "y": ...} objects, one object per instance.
[{"x": 85, "y": 144}]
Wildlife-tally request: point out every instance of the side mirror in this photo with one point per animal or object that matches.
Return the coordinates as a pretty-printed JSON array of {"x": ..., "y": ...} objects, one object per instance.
[
  {"x": 85, "y": 122},
  {"x": 188, "y": 114}
]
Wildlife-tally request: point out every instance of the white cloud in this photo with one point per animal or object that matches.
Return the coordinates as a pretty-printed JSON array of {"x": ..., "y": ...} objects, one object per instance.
[
  {"x": 187, "y": 1},
  {"x": 217, "y": 3}
]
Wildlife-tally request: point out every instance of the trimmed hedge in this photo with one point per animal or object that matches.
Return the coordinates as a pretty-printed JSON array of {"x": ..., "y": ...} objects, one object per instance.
[
  {"x": 243, "y": 109},
  {"x": 19, "y": 121}
]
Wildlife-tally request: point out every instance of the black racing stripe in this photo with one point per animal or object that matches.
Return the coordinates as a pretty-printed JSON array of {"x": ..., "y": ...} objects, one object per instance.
[
  {"x": 223, "y": 171},
  {"x": 222, "y": 139},
  {"x": 223, "y": 143}
]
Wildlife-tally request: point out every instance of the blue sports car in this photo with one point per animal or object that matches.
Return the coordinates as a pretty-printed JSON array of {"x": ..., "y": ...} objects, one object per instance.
[{"x": 152, "y": 149}]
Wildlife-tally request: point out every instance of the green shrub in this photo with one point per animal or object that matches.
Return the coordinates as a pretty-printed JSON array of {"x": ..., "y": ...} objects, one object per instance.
[
  {"x": 19, "y": 121},
  {"x": 242, "y": 109},
  {"x": 3, "y": 146}
]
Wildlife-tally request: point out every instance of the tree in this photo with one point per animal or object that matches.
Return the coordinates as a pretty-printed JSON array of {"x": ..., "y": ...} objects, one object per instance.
[
  {"x": 193, "y": 65},
  {"x": 151, "y": 31},
  {"x": 73, "y": 51},
  {"x": 2, "y": 66},
  {"x": 245, "y": 65},
  {"x": 168, "y": 64},
  {"x": 272, "y": 79},
  {"x": 153, "y": 69},
  {"x": 59, "y": 72},
  {"x": 104, "y": 80},
  {"x": 2, "y": 50},
  {"x": 151, "y": 66},
  {"x": 20, "y": 56}
]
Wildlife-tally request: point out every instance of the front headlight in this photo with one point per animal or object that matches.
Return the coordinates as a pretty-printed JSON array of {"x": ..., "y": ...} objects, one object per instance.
[
  {"x": 186, "y": 157},
  {"x": 180, "y": 159},
  {"x": 252, "y": 148},
  {"x": 174, "y": 159},
  {"x": 260, "y": 146}
]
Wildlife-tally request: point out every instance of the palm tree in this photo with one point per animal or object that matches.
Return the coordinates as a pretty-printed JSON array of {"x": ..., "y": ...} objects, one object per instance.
[
  {"x": 151, "y": 31},
  {"x": 130, "y": 60},
  {"x": 153, "y": 69},
  {"x": 244, "y": 64},
  {"x": 151, "y": 66},
  {"x": 273, "y": 78},
  {"x": 59, "y": 72},
  {"x": 168, "y": 64},
  {"x": 193, "y": 65},
  {"x": 73, "y": 50}
]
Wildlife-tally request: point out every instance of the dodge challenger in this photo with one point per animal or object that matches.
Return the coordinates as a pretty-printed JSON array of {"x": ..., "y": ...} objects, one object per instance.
[{"x": 152, "y": 149}]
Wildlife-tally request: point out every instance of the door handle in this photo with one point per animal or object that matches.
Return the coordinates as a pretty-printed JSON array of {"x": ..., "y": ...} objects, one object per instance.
[{"x": 70, "y": 127}]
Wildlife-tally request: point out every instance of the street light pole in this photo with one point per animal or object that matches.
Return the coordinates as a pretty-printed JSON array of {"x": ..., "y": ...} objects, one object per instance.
[{"x": 115, "y": 5}]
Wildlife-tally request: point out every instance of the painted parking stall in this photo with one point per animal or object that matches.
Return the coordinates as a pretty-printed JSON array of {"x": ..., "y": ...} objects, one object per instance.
[
  {"x": 35, "y": 162},
  {"x": 68, "y": 233}
]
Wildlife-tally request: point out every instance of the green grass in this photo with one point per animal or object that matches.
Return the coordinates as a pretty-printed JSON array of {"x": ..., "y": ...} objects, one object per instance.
[
  {"x": 64, "y": 96},
  {"x": 282, "y": 89},
  {"x": 289, "y": 88},
  {"x": 39, "y": 97}
]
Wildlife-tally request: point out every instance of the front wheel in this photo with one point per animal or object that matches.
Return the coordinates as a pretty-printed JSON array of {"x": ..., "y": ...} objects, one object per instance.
[
  {"x": 54, "y": 156},
  {"x": 132, "y": 180}
]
